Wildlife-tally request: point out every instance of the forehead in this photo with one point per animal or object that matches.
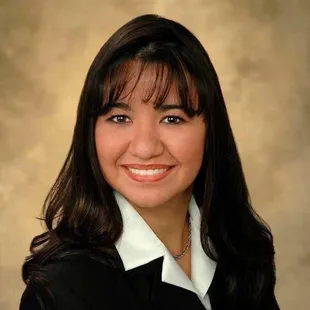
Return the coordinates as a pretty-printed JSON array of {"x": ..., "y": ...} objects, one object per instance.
[
  {"x": 152, "y": 82},
  {"x": 148, "y": 84}
]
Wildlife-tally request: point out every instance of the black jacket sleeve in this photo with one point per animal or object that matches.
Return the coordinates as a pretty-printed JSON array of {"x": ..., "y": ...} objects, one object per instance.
[
  {"x": 73, "y": 285},
  {"x": 45, "y": 298}
]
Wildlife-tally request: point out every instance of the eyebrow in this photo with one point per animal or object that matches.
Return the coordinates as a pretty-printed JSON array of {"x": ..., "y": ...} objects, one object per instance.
[{"x": 161, "y": 108}]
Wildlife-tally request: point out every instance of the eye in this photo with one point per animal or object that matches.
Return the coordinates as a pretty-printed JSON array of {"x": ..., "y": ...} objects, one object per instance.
[
  {"x": 173, "y": 120},
  {"x": 118, "y": 118}
]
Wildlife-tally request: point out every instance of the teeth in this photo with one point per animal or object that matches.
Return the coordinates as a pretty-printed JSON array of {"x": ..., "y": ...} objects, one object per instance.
[{"x": 147, "y": 172}]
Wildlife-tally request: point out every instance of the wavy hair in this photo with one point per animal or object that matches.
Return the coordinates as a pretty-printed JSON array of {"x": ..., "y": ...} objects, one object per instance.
[{"x": 80, "y": 211}]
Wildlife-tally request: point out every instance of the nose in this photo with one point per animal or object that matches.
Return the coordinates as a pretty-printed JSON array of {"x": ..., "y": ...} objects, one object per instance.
[{"x": 145, "y": 143}]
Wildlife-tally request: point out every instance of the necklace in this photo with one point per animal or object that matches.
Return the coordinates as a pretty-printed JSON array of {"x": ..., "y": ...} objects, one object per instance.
[{"x": 178, "y": 256}]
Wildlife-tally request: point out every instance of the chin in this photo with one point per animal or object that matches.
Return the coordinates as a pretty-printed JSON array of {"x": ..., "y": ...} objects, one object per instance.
[{"x": 147, "y": 199}]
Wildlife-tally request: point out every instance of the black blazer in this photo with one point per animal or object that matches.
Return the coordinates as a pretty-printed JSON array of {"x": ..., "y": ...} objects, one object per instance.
[{"x": 82, "y": 283}]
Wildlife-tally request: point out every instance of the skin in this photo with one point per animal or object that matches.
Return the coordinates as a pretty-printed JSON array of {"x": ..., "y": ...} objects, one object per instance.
[{"x": 148, "y": 136}]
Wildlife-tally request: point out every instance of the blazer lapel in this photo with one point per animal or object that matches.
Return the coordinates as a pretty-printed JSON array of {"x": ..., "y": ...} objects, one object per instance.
[{"x": 148, "y": 287}]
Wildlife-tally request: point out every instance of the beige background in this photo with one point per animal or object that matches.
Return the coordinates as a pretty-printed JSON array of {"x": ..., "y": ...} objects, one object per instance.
[{"x": 261, "y": 50}]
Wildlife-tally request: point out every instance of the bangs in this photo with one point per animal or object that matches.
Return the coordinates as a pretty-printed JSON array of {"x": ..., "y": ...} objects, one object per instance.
[{"x": 166, "y": 76}]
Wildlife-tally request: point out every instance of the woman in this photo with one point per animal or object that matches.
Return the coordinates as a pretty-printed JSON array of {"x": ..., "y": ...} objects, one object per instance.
[{"x": 151, "y": 208}]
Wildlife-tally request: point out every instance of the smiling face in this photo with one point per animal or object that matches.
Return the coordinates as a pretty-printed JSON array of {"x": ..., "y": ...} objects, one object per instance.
[{"x": 151, "y": 156}]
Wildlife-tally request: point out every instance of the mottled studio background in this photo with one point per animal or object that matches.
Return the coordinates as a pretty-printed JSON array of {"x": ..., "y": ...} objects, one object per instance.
[{"x": 261, "y": 50}]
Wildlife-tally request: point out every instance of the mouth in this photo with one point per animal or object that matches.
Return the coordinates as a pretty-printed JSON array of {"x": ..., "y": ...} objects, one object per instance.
[{"x": 148, "y": 175}]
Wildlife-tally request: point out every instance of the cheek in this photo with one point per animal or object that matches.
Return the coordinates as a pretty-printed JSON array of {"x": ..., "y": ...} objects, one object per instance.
[
  {"x": 191, "y": 153},
  {"x": 189, "y": 147},
  {"x": 106, "y": 147}
]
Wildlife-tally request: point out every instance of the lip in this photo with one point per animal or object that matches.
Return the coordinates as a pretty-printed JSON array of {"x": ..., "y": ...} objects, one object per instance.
[
  {"x": 147, "y": 178},
  {"x": 145, "y": 167}
]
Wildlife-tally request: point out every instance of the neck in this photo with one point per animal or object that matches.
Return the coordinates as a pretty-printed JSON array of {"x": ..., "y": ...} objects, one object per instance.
[{"x": 169, "y": 222}]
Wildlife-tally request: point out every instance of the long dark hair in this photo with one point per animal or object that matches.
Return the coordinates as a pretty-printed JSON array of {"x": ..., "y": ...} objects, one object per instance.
[{"x": 80, "y": 211}]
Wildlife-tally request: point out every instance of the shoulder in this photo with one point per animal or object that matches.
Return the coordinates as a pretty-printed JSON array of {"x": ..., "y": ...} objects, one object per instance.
[
  {"x": 78, "y": 267},
  {"x": 75, "y": 282}
]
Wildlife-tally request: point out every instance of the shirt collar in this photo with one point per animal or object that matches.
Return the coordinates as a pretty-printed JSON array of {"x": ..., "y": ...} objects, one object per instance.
[{"x": 138, "y": 245}]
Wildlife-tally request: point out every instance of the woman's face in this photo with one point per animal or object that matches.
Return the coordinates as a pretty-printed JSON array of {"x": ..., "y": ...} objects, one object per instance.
[{"x": 136, "y": 144}]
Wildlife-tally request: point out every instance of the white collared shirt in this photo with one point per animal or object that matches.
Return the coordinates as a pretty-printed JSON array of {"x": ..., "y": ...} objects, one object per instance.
[{"x": 139, "y": 245}]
